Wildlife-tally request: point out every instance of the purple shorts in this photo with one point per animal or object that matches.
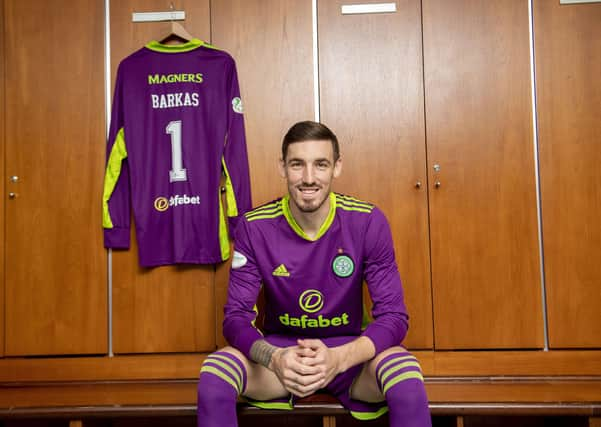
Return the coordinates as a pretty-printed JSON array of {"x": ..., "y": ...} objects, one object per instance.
[{"x": 339, "y": 387}]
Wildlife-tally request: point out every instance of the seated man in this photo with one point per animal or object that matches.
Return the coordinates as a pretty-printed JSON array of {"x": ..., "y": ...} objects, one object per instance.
[{"x": 311, "y": 251}]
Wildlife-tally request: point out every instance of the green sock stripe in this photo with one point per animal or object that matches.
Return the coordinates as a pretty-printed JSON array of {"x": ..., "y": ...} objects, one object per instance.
[
  {"x": 402, "y": 377},
  {"x": 396, "y": 368},
  {"x": 391, "y": 361},
  {"x": 227, "y": 368},
  {"x": 224, "y": 377},
  {"x": 238, "y": 368}
]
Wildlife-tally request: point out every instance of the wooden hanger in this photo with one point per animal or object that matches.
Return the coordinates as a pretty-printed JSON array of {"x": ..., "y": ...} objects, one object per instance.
[{"x": 176, "y": 34}]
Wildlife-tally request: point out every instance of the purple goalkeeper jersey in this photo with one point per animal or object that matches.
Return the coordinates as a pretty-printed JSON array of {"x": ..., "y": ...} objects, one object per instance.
[
  {"x": 313, "y": 287},
  {"x": 176, "y": 128}
]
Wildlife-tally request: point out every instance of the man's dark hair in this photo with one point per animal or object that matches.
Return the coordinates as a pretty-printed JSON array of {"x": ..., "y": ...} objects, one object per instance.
[{"x": 310, "y": 131}]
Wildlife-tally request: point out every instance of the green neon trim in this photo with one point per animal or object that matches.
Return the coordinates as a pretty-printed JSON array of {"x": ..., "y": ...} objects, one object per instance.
[
  {"x": 348, "y": 208},
  {"x": 392, "y": 370},
  {"x": 297, "y": 228},
  {"x": 391, "y": 361},
  {"x": 354, "y": 204},
  {"x": 271, "y": 405},
  {"x": 366, "y": 416},
  {"x": 224, "y": 243},
  {"x": 275, "y": 215},
  {"x": 221, "y": 375},
  {"x": 236, "y": 367},
  {"x": 175, "y": 48},
  {"x": 210, "y": 46},
  {"x": 264, "y": 210},
  {"x": 406, "y": 376},
  {"x": 230, "y": 197},
  {"x": 113, "y": 170},
  {"x": 352, "y": 199},
  {"x": 228, "y": 368},
  {"x": 256, "y": 310}
]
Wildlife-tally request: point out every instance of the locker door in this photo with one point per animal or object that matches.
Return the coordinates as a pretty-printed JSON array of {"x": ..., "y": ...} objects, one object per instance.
[
  {"x": 483, "y": 213},
  {"x": 371, "y": 95},
  {"x": 56, "y": 265},
  {"x": 568, "y": 53}
]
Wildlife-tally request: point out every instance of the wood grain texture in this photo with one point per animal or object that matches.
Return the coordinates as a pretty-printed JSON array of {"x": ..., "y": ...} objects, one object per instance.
[
  {"x": 568, "y": 65},
  {"x": 56, "y": 284},
  {"x": 277, "y": 89},
  {"x": 184, "y": 393},
  {"x": 483, "y": 218},
  {"x": 569, "y": 363},
  {"x": 371, "y": 95},
  {"x": 6, "y": 183},
  {"x": 165, "y": 309},
  {"x": 271, "y": 43}
]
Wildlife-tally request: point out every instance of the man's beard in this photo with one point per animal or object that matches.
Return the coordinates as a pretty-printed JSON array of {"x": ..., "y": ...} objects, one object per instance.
[{"x": 311, "y": 207}]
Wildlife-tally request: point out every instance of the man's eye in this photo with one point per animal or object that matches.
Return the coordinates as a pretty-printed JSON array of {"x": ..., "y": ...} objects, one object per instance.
[{"x": 322, "y": 165}]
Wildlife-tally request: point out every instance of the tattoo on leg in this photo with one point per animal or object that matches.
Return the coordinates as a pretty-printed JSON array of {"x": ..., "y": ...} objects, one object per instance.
[{"x": 261, "y": 352}]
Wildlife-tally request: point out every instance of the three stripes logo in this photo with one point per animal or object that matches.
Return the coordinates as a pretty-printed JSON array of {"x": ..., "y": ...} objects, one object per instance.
[{"x": 281, "y": 271}]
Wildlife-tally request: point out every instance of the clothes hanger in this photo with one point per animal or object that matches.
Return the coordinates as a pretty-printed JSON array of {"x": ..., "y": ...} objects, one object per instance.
[{"x": 176, "y": 34}]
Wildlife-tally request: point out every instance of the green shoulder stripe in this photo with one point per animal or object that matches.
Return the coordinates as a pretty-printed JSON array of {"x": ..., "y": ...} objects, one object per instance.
[
  {"x": 270, "y": 208},
  {"x": 353, "y": 201},
  {"x": 353, "y": 208},
  {"x": 265, "y": 216}
]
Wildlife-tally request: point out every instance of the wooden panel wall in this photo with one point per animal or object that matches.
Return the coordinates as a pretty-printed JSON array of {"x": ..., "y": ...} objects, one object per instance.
[
  {"x": 568, "y": 65},
  {"x": 56, "y": 283},
  {"x": 5, "y": 183},
  {"x": 172, "y": 308},
  {"x": 371, "y": 95},
  {"x": 483, "y": 217},
  {"x": 271, "y": 43}
]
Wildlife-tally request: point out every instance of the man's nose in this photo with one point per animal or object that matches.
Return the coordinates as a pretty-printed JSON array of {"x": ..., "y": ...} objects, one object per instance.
[{"x": 308, "y": 174}]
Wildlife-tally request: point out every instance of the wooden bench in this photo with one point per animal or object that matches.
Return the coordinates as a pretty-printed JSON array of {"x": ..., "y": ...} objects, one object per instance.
[{"x": 77, "y": 390}]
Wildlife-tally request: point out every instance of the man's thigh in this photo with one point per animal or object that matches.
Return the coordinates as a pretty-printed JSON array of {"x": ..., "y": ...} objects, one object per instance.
[
  {"x": 261, "y": 383},
  {"x": 365, "y": 387}
]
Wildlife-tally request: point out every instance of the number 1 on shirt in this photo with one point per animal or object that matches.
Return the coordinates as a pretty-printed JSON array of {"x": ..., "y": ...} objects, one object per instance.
[{"x": 177, "y": 172}]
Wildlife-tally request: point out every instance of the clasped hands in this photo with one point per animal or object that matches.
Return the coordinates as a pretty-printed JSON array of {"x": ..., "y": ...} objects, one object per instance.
[{"x": 306, "y": 367}]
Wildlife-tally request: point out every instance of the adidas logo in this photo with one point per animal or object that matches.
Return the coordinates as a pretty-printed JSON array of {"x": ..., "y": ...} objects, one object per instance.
[{"x": 281, "y": 271}]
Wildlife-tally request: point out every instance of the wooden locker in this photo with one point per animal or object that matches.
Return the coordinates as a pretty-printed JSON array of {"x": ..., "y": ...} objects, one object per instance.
[
  {"x": 56, "y": 295},
  {"x": 568, "y": 64},
  {"x": 272, "y": 45},
  {"x": 483, "y": 210},
  {"x": 167, "y": 308},
  {"x": 371, "y": 95}
]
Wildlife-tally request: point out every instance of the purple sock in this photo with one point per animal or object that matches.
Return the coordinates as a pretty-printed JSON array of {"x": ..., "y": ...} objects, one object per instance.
[
  {"x": 401, "y": 382},
  {"x": 222, "y": 380}
]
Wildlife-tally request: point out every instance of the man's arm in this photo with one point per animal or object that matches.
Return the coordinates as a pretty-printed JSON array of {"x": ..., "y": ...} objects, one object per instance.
[{"x": 384, "y": 283}]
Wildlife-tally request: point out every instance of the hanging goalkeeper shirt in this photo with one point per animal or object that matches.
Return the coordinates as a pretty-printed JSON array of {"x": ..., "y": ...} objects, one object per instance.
[{"x": 176, "y": 129}]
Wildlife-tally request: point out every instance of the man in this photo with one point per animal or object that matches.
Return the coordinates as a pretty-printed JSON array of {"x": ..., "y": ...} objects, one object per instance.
[{"x": 311, "y": 251}]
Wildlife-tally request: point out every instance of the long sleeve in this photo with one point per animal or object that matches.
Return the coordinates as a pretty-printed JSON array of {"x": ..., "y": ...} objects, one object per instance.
[
  {"x": 116, "y": 198},
  {"x": 384, "y": 283},
  {"x": 240, "y": 309},
  {"x": 235, "y": 156}
]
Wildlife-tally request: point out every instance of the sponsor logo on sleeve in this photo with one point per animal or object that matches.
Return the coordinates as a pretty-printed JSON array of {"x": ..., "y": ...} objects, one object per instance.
[
  {"x": 237, "y": 105},
  {"x": 238, "y": 260}
]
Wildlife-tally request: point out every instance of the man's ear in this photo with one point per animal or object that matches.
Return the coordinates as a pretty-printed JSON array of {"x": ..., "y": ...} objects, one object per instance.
[
  {"x": 338, "y": 167},
  {"x": 282, "y": 167}
]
